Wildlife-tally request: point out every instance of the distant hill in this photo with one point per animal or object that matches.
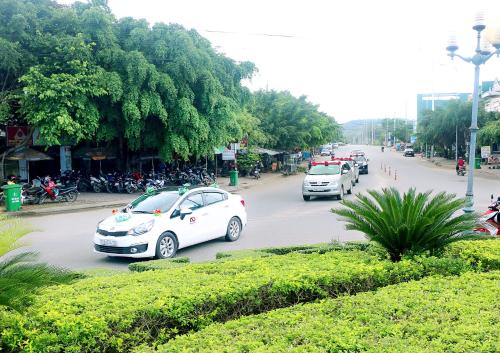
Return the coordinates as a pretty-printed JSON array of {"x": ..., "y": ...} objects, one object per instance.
[{"x": 377, "y": 130}]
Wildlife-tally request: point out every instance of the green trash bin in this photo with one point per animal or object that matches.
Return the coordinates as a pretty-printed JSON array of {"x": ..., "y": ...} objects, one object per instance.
[
  {"x": 12, "y": 193},
  {"x": 233, "y": 178},
  {"x": 477, "y": 165}
]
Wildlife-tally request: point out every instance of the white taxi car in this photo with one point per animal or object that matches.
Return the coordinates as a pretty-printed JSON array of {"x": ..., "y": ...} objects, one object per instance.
[
  {"x": 160, "y": 222},
  {"x": 353, "y": 165},
  {"x": 329, "y": 178}
]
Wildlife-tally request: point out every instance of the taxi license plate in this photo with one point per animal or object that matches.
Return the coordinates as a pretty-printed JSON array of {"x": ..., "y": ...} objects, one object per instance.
[{"x": 108, "y": 242}]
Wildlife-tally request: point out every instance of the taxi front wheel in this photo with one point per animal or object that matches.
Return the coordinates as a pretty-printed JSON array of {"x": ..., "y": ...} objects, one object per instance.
[{"x": 166, "y": 246}]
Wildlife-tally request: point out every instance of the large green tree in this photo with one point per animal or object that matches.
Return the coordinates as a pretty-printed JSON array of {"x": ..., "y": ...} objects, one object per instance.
[
  {"x": 291, "y": 122},
  {"x": 78, "y": 72},
  {"x": 443, "y": 126}
]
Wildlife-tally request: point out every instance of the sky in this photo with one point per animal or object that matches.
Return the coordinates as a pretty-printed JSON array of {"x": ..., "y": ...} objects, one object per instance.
[{"x": 356, "y": 59}]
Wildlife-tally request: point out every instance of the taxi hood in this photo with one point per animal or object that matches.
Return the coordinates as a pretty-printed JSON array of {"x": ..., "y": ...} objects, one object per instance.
[{"x": 125, "y": 221}]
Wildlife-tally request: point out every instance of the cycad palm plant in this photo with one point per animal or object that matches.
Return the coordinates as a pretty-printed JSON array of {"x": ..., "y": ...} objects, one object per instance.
[
  {"x": 20, "y": 276},
  {"x": 408, "y": 223}
]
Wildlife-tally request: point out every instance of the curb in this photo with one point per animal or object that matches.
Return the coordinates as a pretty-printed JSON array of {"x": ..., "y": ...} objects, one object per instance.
[{"x": 60, "y": 210}]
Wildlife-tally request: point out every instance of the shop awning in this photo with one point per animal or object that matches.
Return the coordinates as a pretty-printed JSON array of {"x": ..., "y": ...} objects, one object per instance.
[
  {"x": 28, "y": 154},
  {"x": 260, "y": 150}
]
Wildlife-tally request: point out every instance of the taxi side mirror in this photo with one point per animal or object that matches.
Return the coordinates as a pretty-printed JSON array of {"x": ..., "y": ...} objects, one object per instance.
[{"x": 185, "y": 211}]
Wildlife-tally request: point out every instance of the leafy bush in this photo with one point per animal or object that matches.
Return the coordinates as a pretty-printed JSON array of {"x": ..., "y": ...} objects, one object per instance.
[
  {"x": 408, "y": 224},
  {"x": 164, "y": 264},
  {"x": 103, "y": 315},
  {"x": 247, "y": 161},
  {"x": 432, "y": 315},
  {"x": 484, "y": 254},
  {"x": 20, "y": 276}
]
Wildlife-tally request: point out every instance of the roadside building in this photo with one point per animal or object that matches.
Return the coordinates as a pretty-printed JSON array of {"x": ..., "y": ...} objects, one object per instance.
[
  {"x": 433, "y": 101},
  {"x": 492, "y": 97}
]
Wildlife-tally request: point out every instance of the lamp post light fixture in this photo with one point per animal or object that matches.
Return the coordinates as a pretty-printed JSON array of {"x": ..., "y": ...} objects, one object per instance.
[{"x": 481, "y": 56}]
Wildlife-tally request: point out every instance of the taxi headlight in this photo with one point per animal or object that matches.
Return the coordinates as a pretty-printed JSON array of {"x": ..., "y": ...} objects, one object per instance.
[{"x": 142, "y": 228}]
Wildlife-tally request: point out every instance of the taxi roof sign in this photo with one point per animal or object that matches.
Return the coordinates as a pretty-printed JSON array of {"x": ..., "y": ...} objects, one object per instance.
[{"x": 326, "y": 163}]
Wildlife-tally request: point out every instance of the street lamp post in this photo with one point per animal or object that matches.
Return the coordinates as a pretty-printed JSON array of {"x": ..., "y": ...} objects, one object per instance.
[{"x": 481, "y": 56}]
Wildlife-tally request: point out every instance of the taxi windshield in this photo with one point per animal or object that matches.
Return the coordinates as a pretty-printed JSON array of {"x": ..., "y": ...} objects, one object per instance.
[
  {"x": 330, "y": 169},
  {"x": 162, "y": 201}
]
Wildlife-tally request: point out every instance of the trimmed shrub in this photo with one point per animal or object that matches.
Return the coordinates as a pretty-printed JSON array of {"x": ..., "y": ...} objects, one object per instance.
[
  {"x": 240, "y": 254},
  {"x": 484, "y": 254},
  {"x": 103, "y": 315},
  {"x": 432, "y": 315},
  {"x": 164, "y": 264}
]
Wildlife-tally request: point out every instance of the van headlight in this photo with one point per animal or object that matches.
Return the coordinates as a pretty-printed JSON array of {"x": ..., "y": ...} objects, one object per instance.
[
  {"x": 306, "y": 183},
  {"x": 142, "y": 228},
  {"x": 333, "y": 184}
]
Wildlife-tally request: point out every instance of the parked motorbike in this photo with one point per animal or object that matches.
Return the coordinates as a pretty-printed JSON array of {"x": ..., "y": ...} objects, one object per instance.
[
  {"x": 57, "y": 193},
  {"x": 31, "y": 193},
  {"x": 490, "y": 220}
]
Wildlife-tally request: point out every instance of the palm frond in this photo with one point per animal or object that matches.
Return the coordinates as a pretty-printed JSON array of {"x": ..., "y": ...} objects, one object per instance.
[
  {"x": 409, "y": 223},
  {"x": 21, "y": 277}
]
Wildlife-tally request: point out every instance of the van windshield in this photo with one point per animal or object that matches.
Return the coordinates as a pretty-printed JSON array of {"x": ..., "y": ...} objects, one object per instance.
[{"x": 330, "y": 169}]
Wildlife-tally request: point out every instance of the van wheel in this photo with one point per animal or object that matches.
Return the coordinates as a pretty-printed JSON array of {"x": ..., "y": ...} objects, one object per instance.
[
  {"x": 306, "y": 198},
  {"x": 233, "y": 229},
  {"x": 166, "y": 246}
]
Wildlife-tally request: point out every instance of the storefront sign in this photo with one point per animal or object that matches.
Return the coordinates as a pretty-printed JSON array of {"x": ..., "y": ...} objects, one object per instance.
[
  {"x": 485, "y": 151},
  {"x": 228, "y": 155},
  {"x": 17, "y": 135}
]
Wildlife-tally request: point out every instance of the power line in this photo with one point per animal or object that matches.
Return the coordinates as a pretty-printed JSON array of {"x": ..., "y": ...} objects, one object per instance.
[{"x": 252, "y": 34}]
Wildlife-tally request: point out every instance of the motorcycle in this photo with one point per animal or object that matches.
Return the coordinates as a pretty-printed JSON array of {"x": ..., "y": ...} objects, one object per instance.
[
  {"x": 382, "y": 148},
  {"x": 57, "y": 193},
  {"x": 96, "y": 184},
  {"x": 490, "y": 220},
  {"x": 31, "y": 193},
  {"x": 461, "y": 170},
  {"x": 255, "y": 171}
]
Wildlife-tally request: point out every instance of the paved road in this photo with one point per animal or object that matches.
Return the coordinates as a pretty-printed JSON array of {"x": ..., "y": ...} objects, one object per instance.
[{"x": 277, "y": 214}]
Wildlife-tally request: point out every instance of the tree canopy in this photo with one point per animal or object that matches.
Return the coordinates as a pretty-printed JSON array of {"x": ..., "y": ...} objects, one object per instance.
[
  {"x": 291, "y": 122},
  {"x": 440, "y": 127},
  {"x": 77, "y": 72}
]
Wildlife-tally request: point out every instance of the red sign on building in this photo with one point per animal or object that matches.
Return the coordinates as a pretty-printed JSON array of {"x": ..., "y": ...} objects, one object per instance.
[{"x": 17, "y": 135}]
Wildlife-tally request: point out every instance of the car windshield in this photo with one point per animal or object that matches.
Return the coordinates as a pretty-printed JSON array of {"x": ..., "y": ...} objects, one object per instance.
[
  {"x": 359, "y": 159},
  {"x": 162, "y": 201},
  {"x": 330, "y": 169}
]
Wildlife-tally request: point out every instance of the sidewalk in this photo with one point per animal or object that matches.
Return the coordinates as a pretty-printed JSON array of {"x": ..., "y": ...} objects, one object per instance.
[
  {"x": 89, "y": 200},
  {"x": 439, "y": 162}
]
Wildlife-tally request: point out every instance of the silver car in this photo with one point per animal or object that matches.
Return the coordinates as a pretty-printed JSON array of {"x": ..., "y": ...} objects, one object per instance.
[{"x": 329, "y": 178}]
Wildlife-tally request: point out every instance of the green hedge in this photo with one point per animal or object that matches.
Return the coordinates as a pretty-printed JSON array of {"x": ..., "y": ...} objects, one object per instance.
[
  {"x": 319, "y": 248},
  {"x": 432, "y": 315},
  {"x": 113, "y": 314},
  {"x": 164, "y": 264},
  {"x": 484, "y": 254}
]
